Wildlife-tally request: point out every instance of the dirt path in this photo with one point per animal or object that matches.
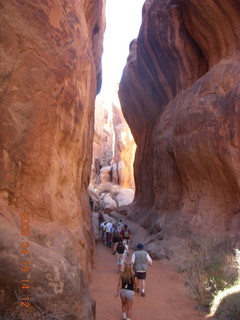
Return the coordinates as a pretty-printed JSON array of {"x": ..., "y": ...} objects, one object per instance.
[{"x": 166, "y": 297}]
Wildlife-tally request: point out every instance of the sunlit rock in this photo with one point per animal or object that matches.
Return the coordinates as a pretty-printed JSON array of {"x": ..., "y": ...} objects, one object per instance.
[
  {"x": 50, "y": 72},
  {"x": 180, "y": 96}
]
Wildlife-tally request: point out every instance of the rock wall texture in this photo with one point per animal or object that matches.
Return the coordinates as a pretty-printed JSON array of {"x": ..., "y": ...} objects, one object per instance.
[
  {"x": 113, "y": 145},
  {"x": 124, "y": 148},
  {"x": 180, "y": 96},
  {"x": 50, "y": 72}
]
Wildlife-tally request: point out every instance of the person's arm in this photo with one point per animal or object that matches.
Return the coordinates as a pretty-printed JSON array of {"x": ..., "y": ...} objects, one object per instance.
[
  {"x": 133, "y": 259},
  {"x": 149, "y": 260},
  {"x": 115, "y": 247},
  {"x": 119, "y": 285},
  {"x": 130, "y": 235},
  {"x": 126, "y": 248}
]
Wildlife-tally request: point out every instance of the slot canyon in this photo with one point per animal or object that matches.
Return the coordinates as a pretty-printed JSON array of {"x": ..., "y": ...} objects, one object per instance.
[{"x": 178, "y": 162}]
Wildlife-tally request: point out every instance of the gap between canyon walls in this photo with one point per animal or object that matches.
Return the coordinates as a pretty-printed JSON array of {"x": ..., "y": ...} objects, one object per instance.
[
  {"x": 179, "y": 94},
  {"x": 113, "y": 156},
  {"x": 50, "y": 74}
]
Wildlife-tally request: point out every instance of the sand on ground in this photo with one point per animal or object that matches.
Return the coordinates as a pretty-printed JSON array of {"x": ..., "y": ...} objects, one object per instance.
[{"x": 166, "y": 296}]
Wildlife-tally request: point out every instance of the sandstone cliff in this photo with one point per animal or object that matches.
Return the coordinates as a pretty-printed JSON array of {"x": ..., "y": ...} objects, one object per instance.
[
  {"x": 180, "y": 96},
  {"x": 50, "y": 72},
  {"x": 113, "y": 145}
]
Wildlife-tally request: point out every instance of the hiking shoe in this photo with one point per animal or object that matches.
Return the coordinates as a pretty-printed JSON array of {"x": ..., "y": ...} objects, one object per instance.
[{"x": 143, "y": 294}]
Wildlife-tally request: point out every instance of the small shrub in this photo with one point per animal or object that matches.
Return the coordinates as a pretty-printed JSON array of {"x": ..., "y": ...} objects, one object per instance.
[
  {"x": 210, "y": 267},
  {"x": 108, "y": 187},
  {"x": 226, "y": 304}
]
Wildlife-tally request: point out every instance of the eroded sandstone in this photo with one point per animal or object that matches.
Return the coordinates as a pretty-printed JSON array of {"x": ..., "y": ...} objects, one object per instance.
[
  {"x": 50, "y": 72},
  {"x": 180, "y": 96}
]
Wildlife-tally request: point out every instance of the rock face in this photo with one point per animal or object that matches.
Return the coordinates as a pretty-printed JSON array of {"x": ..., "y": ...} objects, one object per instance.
[
  {"x": 180, "y": 96},
  {"x": 50, "y": 72},
  {"x": 124, "y": 148},
  {"x": 113, "y": 146}
]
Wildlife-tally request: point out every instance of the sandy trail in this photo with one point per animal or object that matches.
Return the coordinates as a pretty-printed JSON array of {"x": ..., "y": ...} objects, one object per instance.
[{"x": 166, "y": 297}]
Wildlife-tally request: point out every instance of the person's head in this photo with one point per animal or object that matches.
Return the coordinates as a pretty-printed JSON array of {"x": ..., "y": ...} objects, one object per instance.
[
  {"x": 125, "y": 226},
  {"x": 140, "y": 246},
  {"x": 127, "y": 273}
]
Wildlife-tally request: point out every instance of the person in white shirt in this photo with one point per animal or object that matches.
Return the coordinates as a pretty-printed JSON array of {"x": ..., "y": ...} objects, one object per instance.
[
  {"x": 108, "y": 233},
  {"x": 140, "y": 261}
]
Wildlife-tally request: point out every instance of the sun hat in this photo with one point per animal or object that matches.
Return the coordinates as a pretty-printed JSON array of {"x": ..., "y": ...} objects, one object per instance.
[{"x": 140, "y": 246}]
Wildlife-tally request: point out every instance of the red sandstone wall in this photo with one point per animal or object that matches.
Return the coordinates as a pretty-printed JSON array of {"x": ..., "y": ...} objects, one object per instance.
[
  {"x": 180, "y": 95},
  {"x": 50, "y": 72}
]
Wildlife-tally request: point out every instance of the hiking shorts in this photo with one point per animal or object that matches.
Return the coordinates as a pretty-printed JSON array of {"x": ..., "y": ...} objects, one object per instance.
[
  {"x": 141, "y": 275},
  {"x": 121, "y": 258},
  {"x": 126, "y": 294}
]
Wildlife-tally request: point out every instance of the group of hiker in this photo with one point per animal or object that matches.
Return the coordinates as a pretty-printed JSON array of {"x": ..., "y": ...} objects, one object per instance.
[{"x": 118, "y": 236}]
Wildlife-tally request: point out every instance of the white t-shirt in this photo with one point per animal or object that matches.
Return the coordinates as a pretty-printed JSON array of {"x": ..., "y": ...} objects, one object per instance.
[{"x": 108, "y": 227}]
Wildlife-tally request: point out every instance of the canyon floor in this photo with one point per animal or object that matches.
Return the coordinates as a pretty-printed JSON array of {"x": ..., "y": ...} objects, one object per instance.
[{"x": 166, "y": 296}]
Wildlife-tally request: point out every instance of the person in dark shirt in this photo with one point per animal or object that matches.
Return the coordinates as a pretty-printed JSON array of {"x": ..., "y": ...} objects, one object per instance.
[{"x": 126, "y": 291}]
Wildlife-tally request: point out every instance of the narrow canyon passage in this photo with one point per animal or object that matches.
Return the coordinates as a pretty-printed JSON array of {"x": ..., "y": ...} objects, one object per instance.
[{"x": 166, "y": 297}]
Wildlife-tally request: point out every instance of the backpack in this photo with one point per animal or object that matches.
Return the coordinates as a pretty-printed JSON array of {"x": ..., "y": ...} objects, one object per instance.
[
  {"x": 115, "y": 233},
  {"x": 120, "y": 247},
  {"x": 126, "y": 234}
]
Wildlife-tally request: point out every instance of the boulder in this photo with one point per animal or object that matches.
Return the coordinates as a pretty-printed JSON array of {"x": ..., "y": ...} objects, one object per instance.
[
  {"x": 105, "y": 174},
  {"x": 109, "y": 204},
  {"x": 124, "y": 197}
]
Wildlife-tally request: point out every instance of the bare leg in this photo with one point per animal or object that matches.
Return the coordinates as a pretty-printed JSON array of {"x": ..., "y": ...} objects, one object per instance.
[
  {"x": 129, "y": 308},
  {"x": 136, "y": 283},
  {"x": 124, "y": 306},
  {"x": 142, "y": 284}
]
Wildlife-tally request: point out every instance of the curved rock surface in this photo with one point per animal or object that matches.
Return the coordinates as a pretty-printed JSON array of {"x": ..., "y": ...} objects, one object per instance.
[
  {"x": 50, "y": 72},
  {"x": 180, "y": 95}
]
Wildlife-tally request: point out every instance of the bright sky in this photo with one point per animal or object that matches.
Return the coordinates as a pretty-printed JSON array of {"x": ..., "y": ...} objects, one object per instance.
[{"x": 123, "y": 20}]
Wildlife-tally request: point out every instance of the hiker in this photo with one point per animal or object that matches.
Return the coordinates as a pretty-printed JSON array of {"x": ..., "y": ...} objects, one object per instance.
[
  {"x": 126, "y": 290},
  {"x": 140, "y": 261},
  {"x": 120, "y": 225},
  {"x": 100, "y": 219},
  {"x": 101, "y": 204},
  {"x": 121, "y": 249},
  {"x": 103, "y": 228},
  {"x": 108, "y": 233},
  {"x": 91, "y": 203},
  {"x": 114, "y": 234},
  {"x": 126, "y": 233}
]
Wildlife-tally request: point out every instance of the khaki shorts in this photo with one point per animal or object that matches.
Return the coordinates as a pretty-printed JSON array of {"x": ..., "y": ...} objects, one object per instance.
[
  {"x": 121, "y": 258},
  {"x": 126, "y": 294}
]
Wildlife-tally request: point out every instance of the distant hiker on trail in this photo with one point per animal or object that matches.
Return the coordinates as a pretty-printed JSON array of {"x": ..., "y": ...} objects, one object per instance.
[
  {"x": 91, "y": 202},
  {"x": 100, "y": 219},
  {"x": 126, "y": 233},
  {"x": 114, "y": 234},
  {"x": 108, "y": 233},
  {"x": 101, "y": 204},
  {"x": 103, "y": 228},
  {"x": 120, "y": 225},
  {"x": 121, "y": 249},
  {"x": 126, "y": 290},
  {"x": 140, "y": 261}
]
